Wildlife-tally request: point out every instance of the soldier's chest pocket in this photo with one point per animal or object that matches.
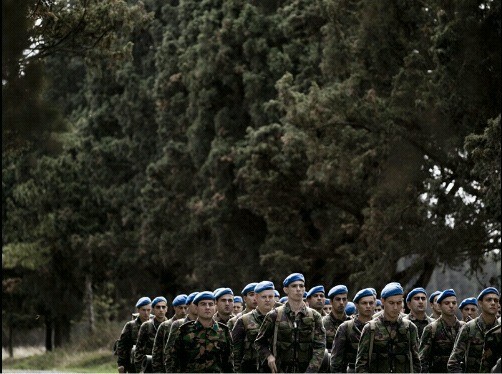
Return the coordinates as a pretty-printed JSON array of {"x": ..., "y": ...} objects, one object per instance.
[{"x": 306, "y": 329}]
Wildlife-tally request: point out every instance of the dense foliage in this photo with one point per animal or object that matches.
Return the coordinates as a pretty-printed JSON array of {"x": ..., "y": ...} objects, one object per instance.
[{"x": 218, "y": 142}]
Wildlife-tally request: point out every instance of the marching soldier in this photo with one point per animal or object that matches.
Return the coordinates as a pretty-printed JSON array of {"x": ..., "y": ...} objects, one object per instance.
[
  {"x": 492, "y": 349},
  {"x": 378, "y": 306},
  {"x": 292, "y": 337},
  {"x": 469, "y": 308},
  {"x": 389, "y": 343},
  {"x": 203, "y": 345},
  {"x": 326, "y": 307},
  {"x": 238, "y": 305},
  {"x": 246, "y": 329},
  {"x": 315, "y": 299},
  {"x": 439, "y": 337},
  {"x": 248, "y": 296},
  {"x": 338, "y": 297},
  {"x": 224, "y": 298},
  {"x": 277, "y": 296},
  {"x": 350, "y": 309},
  {"x": 147, "y": 332},
  {"x": 344, "y": 349},
  {"x": 468, "y": 349},
  {"x": 436, "y": 310},
  {"x": 129, "y": 336},
  {"x": 417, "y": 302}
]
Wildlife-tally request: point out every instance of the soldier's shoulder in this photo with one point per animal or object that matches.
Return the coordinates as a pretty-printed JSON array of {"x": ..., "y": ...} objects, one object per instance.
[
  {"x": 187, "y": 326},
  {"x": 315, "y": 313},
  {"x": 223, "y": 326}
]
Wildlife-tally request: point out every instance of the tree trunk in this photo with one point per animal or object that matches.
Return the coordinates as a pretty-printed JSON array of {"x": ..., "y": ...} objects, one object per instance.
[
  {"x": 11, "y": 335},
  {"x": 48, "y": 334},
  {"x": 89, "y": 299}
]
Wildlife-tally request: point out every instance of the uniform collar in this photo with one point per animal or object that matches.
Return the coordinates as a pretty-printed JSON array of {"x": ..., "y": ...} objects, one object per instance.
[
  {"x": 303, "y": 309},
  {"x": 199, "y": 325}
]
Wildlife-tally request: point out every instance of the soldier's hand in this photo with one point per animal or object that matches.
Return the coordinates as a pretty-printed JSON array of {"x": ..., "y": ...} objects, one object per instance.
[
  {"x": 121, "y": 369},
  {"x": 271, "y": 363}
]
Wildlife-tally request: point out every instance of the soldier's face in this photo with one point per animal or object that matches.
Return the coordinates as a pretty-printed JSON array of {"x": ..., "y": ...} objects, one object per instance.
[
  {"x": 160, "y": 310},
  {"x": 435, "y": 306},
  {"x": 327, "y": 308},
  {"x": 378, "y": 308},
  {"x": 489, "y": 304},
  {"x": 237, "y": 308},
  {"x": 392, "y": 306},
  {"x": 366, "y": 306},
  {"x": 265, "y": 301},
  {"x": 418, "y": 303},
  {"x": 181, "y": 311},
  {"x": 295, "y": 291},
  {"x": 339, "y": 302},
  {"x": 225, "y": 304},
  {"x": 192, "y": 309},
  {"x": 144, "y": 312},
  {"x": 449, "y": 306},
  {"x": 316, "y": 301},
  {"x": 206, "y": 309},
  {"x": 469, "y": 312},
  {"x": 250, "y": 300}
]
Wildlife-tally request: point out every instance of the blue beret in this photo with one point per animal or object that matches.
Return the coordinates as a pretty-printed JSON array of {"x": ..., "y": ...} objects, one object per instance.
[
  {"x": 204, "y": 295},
  {"x": 249, "y": 288},
  {"x": 238, "y": 299},
  {"x": 337, "y": 290},
  {"x": 219, "y": 292},
  {"x": 143, "y": 301},
  {"x": 468, "y": 301},
  {"x": 391, "y": 289},
  {"x": 180, "y": 300},
  {"x": 327, "y": 302},
  {"x": 283, "y": 299},
  {"x": 373, "y": 291},
  {"x": 157, "y": 300},
  {"x": 350, "y": 308},
  {"x": 433, "y": 295},
  {"x": 191, "y": 297},
  {"x": 305, "y": 294},
  {"x": 488, "y": 290},
  {"x": 276, "y": 293},
  {"x": 414, "y": 291},
  {"x": 263, "y": 286},
  {"x": 315, "y": 290},
  {"x": 293, "y": 278},
  {"x": 378, "y": 302},
  {"x": 363, "y": 293},
  {"x": 446, "y": 293}
]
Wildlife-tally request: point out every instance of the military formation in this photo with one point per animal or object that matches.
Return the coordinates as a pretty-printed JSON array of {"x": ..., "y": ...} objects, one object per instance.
[{"x": 313, "y": 331}]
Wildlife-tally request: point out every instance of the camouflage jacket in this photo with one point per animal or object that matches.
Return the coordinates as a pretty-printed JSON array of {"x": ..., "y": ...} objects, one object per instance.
[
  {"x": 218, "y": 318},
  {"x": 300, "y": 339},
  {"x": 331, "y": 324},
  {"x": 158, "y": 345},
  {"x": 144, "y": 344},
  {"x": 243, "y": 336},
  {"x": 469, "y": 346},
  {"x": 171, "y": 337},
  {"x": 389, "y": 347},
  {"x": 126, "y": 341},
  {"x": 420, "y": 323},
  {"x": 491, "y": 349},
  {"x": 197, "y": 349},
  {"x": 436, "y": 345},
  {"x": 344, "y": 349}
]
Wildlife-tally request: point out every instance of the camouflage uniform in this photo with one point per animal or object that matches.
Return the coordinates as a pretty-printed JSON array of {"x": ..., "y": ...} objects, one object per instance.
[
  {"x": 126, "y": 341},
  {"x": 144, "y": 344},
  {"x": 231, "y": 322},
  {"x": 420, "y": 323},
  {"x": 344, "y": 348},
  {"x": 300, "y": 340},
  {"x": 218, "y": 318},
  {"x": 158, "y": 345},
  {"x": 491, "y": 349},
  {"x": 393, "y": 346},
  {"x": 197, "y": 349},
  {"x": 436, "y": 345},
  {"x": 469, "y": 346},
  {"x": 171, "y": 335},
  {"x": 243, "y": 336},
  {"x": 331, "y": 324}
]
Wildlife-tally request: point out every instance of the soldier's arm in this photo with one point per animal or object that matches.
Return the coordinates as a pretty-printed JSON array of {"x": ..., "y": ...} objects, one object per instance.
[
  {"x": 139, "y": 353},
  {"x": 362, "y": 359},
  {"x": 124, "y": 345},
  {"x": 318, "y": 345},
  {"x": 337, "y": 362},
  {"x": 171, "y": 337},
  {"x": 238, "y": 337},
  {"x": 424, "y": 351},
  {"x": 265, "y": 335},
  {"x": 172, "y": 352},
  {"x": 458, "y": 353},
  {"x": 158, "y": 350},
  {"x": 228, "y": 359},
  {"x": 414, "y": 348}
]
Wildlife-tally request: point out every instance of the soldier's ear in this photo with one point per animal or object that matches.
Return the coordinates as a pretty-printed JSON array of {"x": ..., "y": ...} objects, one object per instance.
[{"x": 285, "y": 289}]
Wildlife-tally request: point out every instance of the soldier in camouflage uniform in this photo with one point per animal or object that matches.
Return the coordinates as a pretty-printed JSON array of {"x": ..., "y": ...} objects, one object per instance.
[
  {"x": 249, "y": 298},
  {"x": 439, "y": 337},
  {"x": 292, "y": 337},
  {"x": 246, "y": 329},
  {"x": 436, "y": 310},
  {"x": 129, "y": 336},
  {"x": 180, "y": 312},
  {"x": 468, "y": 349},
  {"x": 469, "y": 308},
  {"x": 147, "y": 332},
  {"x": 224, "y": 304},
  {"x": 315, "y": 299},
  {"x": 238, "y": 305},
  {"x": 327, "y": 307},
  {"x": 389, "y": 343},
  {"x": 492, "y": 349},
  {"x": 417, "y": 302},
  {"x": 344, "y": 349},
  {"x": 378, "y": 306},
  {"x": 203, "y": 345},
  {"x": 338, "y": 297}
]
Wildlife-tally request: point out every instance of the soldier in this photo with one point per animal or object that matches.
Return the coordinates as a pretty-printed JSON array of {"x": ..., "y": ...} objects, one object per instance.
[
  {"x": 224, "y": 304},
  {"x": 315, "y": 299},
  {"x": 248, "y": 296},
  {"x": 344, "y": 349},
  {"x": 417, "y": 302},
  {"x": 468, "y": 349},
  {"x": 129, "y": 336},
  {"x": 277, "y": 296},
  {"x": 378, "y": 306},
  {"x": 147, "y": 332},
  {"x": 492, "y": 349},
  {"x": 292, "y": 337},
  {"x": 350, "y": 309},
  {"x": 246, "y": 329},
  {"x": 326, "y": 307},
  {"x": 436, "y": 310},
  {"x": 469, "y": 308},
  {"x": 238, "y": 305},
  {"x": 283, "y": 300},
  {"x": 389, "y": 343},
  {"x": 180, "y": 312},
  {"x": 439, "y": 337},
  {"x": 203, "y": 345},
  {"x": 338, "y": 297}
]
